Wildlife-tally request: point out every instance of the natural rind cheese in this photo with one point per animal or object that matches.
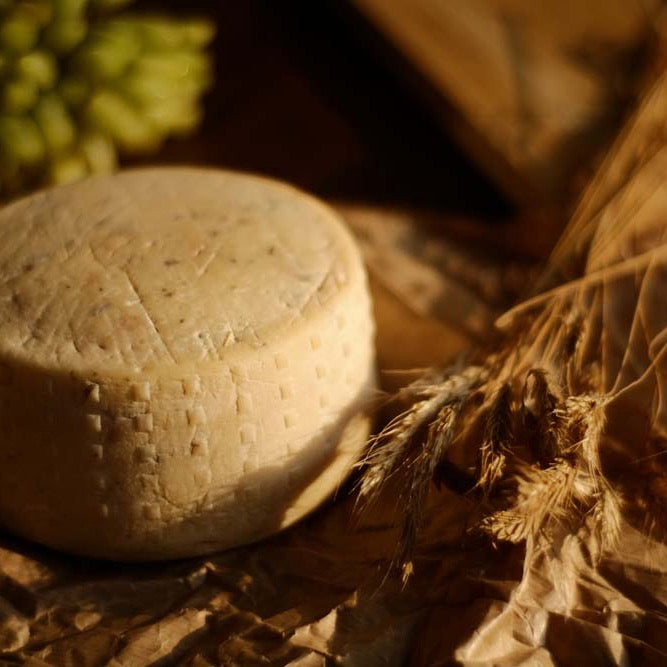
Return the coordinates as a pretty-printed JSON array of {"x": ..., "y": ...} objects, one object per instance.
[{"x": 184, "y": 358}]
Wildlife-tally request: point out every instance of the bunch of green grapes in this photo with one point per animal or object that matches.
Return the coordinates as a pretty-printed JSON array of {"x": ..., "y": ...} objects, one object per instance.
[{"x": 79, "y": 83}]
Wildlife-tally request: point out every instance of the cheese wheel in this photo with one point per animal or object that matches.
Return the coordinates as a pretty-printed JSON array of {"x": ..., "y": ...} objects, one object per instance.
[{"x": 185, "y": 359}]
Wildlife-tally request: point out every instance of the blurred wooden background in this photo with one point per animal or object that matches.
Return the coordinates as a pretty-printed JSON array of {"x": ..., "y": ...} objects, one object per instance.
[
  {"x": 298, "y": 96},
  {"x": 533, "y": 90}
]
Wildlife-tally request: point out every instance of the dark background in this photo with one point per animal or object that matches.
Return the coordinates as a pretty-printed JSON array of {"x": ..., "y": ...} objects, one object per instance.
[{"x": 303, "y": 93}]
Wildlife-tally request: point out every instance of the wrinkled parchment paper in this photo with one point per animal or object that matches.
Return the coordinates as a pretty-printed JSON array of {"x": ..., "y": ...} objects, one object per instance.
[{"x": 322, "y": 593}]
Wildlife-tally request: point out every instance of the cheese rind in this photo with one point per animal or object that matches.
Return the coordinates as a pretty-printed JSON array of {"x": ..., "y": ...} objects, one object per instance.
[{"x": 182, "y": 355}]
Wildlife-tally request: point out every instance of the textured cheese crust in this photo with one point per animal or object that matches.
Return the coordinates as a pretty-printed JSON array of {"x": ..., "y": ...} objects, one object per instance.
[{"x": 184, "y": 354}]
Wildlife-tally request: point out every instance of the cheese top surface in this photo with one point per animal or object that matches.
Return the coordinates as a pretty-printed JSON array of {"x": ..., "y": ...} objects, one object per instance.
[{"x": 160, "y": 268}]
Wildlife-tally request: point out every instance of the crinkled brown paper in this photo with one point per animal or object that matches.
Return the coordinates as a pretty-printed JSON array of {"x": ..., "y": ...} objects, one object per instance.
[{"x": 322, "y": 593}]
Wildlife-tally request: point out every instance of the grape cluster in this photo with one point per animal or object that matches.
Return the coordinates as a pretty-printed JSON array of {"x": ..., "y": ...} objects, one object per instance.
[{"x": 79, "y": 83}]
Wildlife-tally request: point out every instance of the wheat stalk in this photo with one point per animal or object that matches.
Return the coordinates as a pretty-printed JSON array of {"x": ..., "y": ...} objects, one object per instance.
[{"x": 539, "y": 464}]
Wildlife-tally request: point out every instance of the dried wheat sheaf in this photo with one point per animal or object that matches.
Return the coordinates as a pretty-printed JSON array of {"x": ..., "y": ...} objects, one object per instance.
[
  {"x": 537, "y": 462},
  {"x": 560, "y": 425}
]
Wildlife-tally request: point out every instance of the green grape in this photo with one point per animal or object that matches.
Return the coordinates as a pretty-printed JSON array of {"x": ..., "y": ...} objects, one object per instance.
[
  {"x": 161, "y": 34},
  {"x": 111, "y": 113},
  {"x": 99, "y": 152},
  {"x": 18, "y": 33},
  {"x": 175, "y": 65},
  {"x": 69, "y": 8},
  {"x": 67, "y": 169},
  {"x": 39, "y": 67},
  {"x": 76, "y": 87},
  {"x": 109, "y": 50},
  {"x": 174, "y": 117},
  {"x": 146, "y": 91},
  {"x": 55, "y": 123},
  {"x": 198, "y": 32},
  {"x": 64, "y": 35},
  {"x": 21, "y": 140},
  {"x": 19, "y": 96}
]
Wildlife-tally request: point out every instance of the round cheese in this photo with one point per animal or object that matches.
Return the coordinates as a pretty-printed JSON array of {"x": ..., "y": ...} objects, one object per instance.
[{"x": 184, "y": 358}]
